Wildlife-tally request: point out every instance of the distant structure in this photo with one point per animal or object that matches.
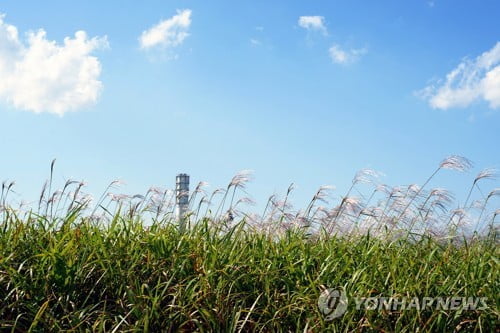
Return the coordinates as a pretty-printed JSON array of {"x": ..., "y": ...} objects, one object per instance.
[{"x": 181, "y": 198}]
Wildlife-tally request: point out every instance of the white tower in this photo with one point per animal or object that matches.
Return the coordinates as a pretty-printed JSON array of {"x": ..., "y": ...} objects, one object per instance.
[{"x": 181, "y": 198}]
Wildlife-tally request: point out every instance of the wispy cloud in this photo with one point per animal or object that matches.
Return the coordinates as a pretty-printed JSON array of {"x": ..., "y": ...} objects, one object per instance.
[
  {"x": 40, "y": 75},
  {"x": 470, "y": 81},
  {"x": 313, "y": 23},
  {"x": 343, "y": 56},
  {"x": 255, "y": 42},
  {"x": 168, "y": 33}
]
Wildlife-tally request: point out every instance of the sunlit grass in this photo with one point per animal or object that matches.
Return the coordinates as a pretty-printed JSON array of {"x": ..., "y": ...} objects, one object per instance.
[
  {"x": 124, "y": 265},
  {"x": 125, "y": 276}
]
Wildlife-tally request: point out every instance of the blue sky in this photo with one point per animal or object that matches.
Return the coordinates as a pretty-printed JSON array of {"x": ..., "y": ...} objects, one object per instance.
[{"x": 298, "y": 91}]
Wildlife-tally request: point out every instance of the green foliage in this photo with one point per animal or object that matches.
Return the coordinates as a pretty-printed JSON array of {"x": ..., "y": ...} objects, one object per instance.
[{"x": 79, "y": 275}]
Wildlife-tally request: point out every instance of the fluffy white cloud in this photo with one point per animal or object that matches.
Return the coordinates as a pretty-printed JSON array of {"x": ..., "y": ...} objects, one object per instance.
[
  {"x": 491, "y": 87},
  {"x": 470, "y": 81},
  {"x": 167, "y": 33},
  {"x": 341, "y": 56},
  {"x": 313, "y": 23},
  {"x": 41, "y": 76}
]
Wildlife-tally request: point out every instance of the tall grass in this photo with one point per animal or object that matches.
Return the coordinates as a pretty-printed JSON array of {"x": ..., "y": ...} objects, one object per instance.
[{"x": 122, "y": 264}]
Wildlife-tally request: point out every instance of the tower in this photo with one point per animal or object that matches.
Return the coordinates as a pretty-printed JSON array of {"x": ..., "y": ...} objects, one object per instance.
[{"x": 181, "y": 198}]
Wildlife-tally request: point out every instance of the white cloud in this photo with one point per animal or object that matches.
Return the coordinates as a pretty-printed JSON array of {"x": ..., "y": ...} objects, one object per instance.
[
  {"x": 313, "y": 23},
  {"x": 470, "y": 81},
  {"x": 491, "y": 87},
  {"x": 341, "y": 56},
  {"x": 41, "y": 76},
  {"x": 167, "y": 33},
  {"x": 255, "y": 42}
]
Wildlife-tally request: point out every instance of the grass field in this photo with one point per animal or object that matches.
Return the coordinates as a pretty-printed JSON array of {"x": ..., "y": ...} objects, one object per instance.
[{"x": 124, "y": 265}]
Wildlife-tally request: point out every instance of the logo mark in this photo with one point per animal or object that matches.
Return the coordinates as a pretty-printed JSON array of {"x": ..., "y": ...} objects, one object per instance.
[{"x": 332, "y": 303}]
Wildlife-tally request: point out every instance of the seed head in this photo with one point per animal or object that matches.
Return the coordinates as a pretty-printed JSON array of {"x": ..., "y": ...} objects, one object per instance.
[
  {"x": 489, "y": 173},
  {"x": 455, "y": 162},
  {"x": 494, "y": 192},
  {"x": 241, "y": 179},
  {"x": 366, "y": 176}
]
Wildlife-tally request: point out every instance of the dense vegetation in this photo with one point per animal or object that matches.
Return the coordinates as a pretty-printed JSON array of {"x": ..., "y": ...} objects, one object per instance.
[
  {"x": 124, "y": 276},
  {"x": 124, "y": 265}
]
